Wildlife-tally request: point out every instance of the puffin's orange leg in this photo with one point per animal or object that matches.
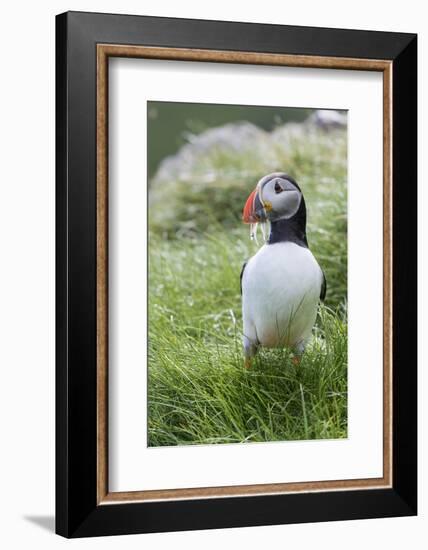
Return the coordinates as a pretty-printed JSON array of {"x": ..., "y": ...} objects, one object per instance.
[
  {"x": 247, "y": 363},
  {"x": 296, "y": 360}
]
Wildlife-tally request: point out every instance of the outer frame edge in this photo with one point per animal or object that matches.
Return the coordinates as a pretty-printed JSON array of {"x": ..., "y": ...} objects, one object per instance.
[
  {"x": 314, "y": 38},
  {"x": 61, "y": 266},
  {"x": 404, "y": 500},
  {"x": 119, "y": 519},
  {"x": 405, "y": 273}
]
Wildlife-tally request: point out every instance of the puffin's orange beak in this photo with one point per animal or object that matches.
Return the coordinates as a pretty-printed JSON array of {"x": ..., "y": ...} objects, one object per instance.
[
  {"x": 253, "y": 210},
  {"x": 248, "y": 214}
]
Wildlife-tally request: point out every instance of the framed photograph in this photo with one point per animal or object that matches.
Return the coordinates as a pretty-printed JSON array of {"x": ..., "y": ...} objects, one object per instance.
[{"x": 236, "y": 274}]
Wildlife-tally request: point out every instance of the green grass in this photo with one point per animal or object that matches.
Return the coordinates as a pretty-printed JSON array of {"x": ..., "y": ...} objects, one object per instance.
[{"x": 198, "y": 389}]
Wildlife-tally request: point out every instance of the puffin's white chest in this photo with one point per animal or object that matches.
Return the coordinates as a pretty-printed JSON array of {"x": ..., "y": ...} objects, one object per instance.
[{"x": 280, "y": 292}]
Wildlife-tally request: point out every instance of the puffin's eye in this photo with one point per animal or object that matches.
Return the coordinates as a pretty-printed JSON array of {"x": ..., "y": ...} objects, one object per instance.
[{"x": 278, "y": 188}]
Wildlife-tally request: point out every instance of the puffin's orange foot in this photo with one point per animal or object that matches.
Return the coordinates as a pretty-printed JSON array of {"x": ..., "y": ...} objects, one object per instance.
[
  {"x": 296, "y": 360},
  {"x": 247, "y": 363}
]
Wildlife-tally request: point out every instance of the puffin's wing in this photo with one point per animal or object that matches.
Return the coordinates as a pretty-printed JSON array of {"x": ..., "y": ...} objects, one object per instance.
[
  {"x": 242, "y": 274},
  {"x": 323, "y": 286}
]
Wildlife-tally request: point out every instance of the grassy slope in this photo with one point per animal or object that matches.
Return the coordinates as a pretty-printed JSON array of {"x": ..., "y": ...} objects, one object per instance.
[{"x": 199, "y": 391}]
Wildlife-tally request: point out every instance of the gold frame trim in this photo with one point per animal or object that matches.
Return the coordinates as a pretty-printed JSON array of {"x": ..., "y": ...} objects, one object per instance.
[{"x": 104, "y": 51}]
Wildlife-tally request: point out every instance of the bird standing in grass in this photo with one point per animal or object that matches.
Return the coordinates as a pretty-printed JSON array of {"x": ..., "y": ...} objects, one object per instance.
[{"x": 282, "y": 283}]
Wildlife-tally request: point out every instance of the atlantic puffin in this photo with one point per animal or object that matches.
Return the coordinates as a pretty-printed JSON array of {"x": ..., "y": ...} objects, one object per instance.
[{"x": 282, "y": 284}]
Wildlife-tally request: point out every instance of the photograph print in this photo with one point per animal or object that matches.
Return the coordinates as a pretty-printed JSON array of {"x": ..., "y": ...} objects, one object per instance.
[{"x": 247, "y": 274}]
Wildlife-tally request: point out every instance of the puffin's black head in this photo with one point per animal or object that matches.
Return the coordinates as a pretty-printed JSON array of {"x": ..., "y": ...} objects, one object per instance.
[{"x": 276, "y": 196}]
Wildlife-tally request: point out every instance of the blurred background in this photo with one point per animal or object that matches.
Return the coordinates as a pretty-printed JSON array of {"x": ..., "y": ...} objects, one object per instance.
[
  {"x": 203, "y": 161},
  {"x": 172, "y": 124}
]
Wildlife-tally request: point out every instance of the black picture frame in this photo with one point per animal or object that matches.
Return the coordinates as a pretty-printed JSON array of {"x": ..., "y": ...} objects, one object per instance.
[{"x": 78, "y": 513}]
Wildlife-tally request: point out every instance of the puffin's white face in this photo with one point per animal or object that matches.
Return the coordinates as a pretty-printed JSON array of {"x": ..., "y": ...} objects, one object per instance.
[
  {"x": 274, "y": 198},
  {"x": 280, "y": 198}
]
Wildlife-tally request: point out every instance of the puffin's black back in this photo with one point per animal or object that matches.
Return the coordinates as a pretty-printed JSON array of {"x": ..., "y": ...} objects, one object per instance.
[{"x": 293, "y": 229}]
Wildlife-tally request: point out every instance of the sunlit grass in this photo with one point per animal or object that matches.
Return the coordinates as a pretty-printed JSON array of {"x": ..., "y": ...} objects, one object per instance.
[{"x": 199, "y": 391}]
